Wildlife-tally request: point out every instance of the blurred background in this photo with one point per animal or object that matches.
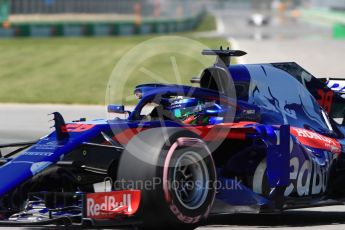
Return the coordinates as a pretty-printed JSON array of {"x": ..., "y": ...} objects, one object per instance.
[
  {"x": 52, "y": 50},
  {"x": 58, "y": 52}
]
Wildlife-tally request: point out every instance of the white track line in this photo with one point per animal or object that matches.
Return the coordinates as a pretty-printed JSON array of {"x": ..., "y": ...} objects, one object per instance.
[{"x": 220, "y": 26}]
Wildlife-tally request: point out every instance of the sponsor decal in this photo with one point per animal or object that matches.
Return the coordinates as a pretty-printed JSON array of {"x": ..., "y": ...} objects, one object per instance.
[
  {"x": 45, "y": 154},
  {"x": 307, "y": 176},
  {"x": 315, "y": 140},
  {"x": 106, "y": 205},
  {"x": 337, "y": 85},
  {"x": 183, "y": 218},
  {"x": 45, "y": 147}
]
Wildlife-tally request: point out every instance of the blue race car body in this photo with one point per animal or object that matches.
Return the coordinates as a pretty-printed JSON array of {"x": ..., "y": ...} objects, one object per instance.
[{"x": 270, "y": 128}]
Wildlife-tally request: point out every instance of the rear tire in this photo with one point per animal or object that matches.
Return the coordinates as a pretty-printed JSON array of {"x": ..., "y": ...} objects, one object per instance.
[{"x": 175, "y": 172}]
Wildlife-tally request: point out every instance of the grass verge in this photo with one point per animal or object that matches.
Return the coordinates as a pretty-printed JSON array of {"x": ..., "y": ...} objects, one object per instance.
[
  {"x": 207, "y": 24},
  {"x": 76, "y": 70}
]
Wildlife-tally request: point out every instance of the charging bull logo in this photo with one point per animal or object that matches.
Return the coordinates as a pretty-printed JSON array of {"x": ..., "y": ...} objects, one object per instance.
[{"x": 104, "y": 205}]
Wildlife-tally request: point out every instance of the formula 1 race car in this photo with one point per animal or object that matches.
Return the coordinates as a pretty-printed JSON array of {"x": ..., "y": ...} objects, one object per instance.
[
  {"x": 258, "y": 138},
  {"x": 258, "y": 19}
]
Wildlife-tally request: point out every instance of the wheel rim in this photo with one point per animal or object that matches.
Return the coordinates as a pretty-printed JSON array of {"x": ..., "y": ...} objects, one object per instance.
[{"x": 190, "y": 178}]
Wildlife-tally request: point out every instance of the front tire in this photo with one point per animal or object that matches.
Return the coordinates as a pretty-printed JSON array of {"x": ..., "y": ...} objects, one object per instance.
[{"x": 180, "y": 168}]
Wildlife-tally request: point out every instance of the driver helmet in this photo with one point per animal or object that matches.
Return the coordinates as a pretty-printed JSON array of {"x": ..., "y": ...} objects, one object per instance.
[{"x": 191, "y": 110}]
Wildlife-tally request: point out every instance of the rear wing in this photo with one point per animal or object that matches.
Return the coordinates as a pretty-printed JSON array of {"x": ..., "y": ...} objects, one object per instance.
[{"x": 336, "y": 85}]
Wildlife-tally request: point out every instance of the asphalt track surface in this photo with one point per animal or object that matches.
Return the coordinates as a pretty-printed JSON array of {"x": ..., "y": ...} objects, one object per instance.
[{"x": 309, "y": 45}]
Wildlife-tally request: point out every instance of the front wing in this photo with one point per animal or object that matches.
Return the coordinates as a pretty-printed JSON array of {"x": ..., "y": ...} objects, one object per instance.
[{"x": 115, "y": 208}]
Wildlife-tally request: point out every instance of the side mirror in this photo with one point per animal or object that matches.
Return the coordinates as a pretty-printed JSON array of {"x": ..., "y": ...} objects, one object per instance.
[
  {"x": 117, "y": 109},
  {"x": 195, "y": 80}
]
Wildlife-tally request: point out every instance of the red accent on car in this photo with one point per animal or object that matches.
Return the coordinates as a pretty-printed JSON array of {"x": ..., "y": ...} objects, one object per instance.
[
  {"x": 165, "y": 172},
  {"x": 189, "y": 119},
  {"x": 77, "y": 128},
  {"x": 326, "y": 99},
  {"x": 126, "y": 135},
  {"x": 107, "y": 205},
  {"x": 315, "y": 140},
  {"x": 206, "y": 132},
  {"x": 224, "y": 131}
]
